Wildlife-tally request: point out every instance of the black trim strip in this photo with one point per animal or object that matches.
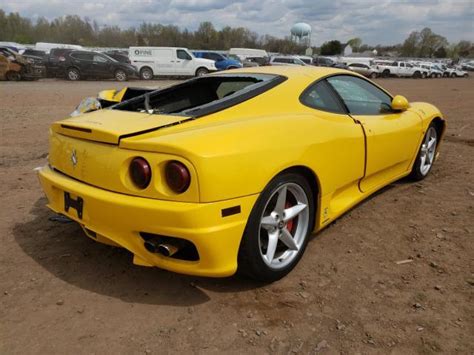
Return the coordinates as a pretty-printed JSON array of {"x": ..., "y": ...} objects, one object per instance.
[{"x": 230, "y": 211}]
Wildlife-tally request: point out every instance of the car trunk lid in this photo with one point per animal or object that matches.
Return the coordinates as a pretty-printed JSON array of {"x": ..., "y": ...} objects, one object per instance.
[{"x": 109, "y": 126}]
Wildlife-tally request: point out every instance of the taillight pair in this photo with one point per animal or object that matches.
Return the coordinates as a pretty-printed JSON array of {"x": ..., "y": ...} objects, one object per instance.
[{"x": 177, "y": 174}]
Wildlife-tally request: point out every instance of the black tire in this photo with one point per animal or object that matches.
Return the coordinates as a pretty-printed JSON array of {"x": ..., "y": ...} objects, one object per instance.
[
  {"x": 453, "y": 75},
  {"x": 417, "y": 75},
  {"x": 251, "y": 262},
  {"x": 13, "y": 76},
  {"x": 201, "y": 71},
  {"x": 120, "y": 75},
  {"x": 423, "y": 76},
  {"x": 146, "y": 73},
  {"x": 373, "y": 75},
  {"x": 73, "y": 74},
  {"x": 417, "y": 172},
  {"x": 386, "y": 73},
  {"x": 465, "y": 75}
]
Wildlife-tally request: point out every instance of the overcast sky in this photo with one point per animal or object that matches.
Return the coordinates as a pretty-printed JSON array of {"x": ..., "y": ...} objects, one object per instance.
[{"x": 375, "y": 21}]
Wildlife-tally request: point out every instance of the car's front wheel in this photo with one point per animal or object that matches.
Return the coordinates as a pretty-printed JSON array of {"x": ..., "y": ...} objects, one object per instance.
[
  {"x": 73, "y": 74},
  {"x": 426, "y": 155},
  {"x": 278, "y": 228},
  {"x": 120, "y": 75},
  {"x": 373, "y": 75},
  {"x": 201, "y": 71}
]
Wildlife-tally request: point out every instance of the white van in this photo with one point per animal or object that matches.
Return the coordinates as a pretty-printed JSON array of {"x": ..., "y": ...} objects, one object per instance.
[
  {"x": 173, "y": 61},
  {"x": 244, "y": 53}
]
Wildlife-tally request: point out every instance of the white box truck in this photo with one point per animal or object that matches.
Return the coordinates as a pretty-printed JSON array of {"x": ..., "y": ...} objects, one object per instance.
[{"x": 168, "y": 61}]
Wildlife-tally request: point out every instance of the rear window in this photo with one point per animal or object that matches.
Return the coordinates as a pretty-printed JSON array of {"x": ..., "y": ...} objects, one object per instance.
[{"x": 202, "y": 96}]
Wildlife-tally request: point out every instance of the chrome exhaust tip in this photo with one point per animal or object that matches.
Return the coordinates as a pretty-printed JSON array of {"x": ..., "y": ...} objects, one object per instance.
[{"x": 167, "y": 249}]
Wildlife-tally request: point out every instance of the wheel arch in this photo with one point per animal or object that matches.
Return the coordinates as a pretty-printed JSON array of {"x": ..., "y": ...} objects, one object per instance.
[
  {"x": 440, "y": 126},
  {"x": 313, "y": 180}
]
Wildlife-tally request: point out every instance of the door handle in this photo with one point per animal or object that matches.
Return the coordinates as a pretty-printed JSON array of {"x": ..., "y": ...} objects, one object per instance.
[
  {"x": 172, "y": 61},
  {"x": 178, "y": 61}
]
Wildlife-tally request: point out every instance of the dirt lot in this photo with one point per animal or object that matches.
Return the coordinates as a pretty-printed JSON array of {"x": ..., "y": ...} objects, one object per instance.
[{"x": 62, "y": 293}]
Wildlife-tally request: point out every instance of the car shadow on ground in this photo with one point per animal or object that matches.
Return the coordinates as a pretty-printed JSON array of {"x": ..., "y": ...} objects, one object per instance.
[{"x": 64, "y": 251}]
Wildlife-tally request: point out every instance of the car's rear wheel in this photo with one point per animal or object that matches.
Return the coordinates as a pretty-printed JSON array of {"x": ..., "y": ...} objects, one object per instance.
[
  {"x": 278, "y": 229},
  {"x": 386, "y": 73},
  {"x": 146, "y": 74},
  {"x": 423, "y": 75},
  {"x": 426, "y": 155},
  {"x": 453, "y": 75},
  {"x": 120, "y": 75},
  {"x": 373, "y": 75},
  {"x": 417, "y": 75},
  {"x": 201, "y": 71},
  {"x": 73, "y": 74},
  {"x": 13, "y": 76}
]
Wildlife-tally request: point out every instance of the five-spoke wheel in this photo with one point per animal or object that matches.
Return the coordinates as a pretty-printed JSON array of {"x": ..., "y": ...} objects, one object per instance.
[
  {"x": 278, "y": 228},
  {"x": 426, "y": 155}
]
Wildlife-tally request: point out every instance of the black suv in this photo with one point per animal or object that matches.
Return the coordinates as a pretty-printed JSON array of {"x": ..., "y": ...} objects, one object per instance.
[{"x": 85, "y": 64}]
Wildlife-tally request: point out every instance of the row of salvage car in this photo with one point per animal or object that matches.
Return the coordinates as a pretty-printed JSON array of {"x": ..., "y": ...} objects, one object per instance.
[{"x": 148, "y": 62}]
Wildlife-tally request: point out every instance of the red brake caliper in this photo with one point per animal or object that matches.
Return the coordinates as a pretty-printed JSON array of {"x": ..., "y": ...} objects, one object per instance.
[{"x": 290, "y": 224}]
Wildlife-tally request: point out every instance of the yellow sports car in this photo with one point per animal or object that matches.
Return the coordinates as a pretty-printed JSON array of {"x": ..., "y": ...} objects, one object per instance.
[{"x": 234, "y": 171}]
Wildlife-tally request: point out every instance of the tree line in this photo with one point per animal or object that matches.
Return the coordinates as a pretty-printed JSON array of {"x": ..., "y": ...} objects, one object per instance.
[
  {"x": 422, "y": 44},
  {"x": 75, "y": 30}
]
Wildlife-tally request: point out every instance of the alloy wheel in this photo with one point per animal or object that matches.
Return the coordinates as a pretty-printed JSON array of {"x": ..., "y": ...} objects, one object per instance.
[
  {"x": 283, "y": 226},
  {"x": 428, "y": 151}
]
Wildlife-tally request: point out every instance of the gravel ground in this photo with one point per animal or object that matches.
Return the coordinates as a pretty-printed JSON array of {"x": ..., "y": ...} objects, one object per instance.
[{"x": 62, "y": 293}]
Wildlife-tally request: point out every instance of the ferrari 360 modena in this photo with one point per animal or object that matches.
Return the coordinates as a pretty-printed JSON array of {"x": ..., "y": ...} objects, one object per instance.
[{"x": 233, "y": 171}]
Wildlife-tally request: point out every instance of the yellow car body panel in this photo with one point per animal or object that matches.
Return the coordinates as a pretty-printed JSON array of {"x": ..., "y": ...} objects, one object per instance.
[{"x": 231, "y": 155}]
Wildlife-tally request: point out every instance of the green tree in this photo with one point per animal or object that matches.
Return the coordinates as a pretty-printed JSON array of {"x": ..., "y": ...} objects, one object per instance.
[
  {"x": 355, "y": 43},
  {"x": 331, "y": 48}
]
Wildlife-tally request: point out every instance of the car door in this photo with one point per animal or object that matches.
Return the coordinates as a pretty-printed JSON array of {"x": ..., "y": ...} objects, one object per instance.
[
  {"x": 338, "y": 150},
  {"x": 184, "y": 63},
  {"x": 101, "y": 66},
  {"x": 392, "y": 138},
  {"x": 83, "y": 61}
]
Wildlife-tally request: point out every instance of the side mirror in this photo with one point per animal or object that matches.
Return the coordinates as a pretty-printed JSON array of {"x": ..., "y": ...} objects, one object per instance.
[{"x": 400, "y": 103}]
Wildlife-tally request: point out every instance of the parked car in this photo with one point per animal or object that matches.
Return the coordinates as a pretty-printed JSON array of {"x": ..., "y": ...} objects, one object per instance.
[
  {"x": 433, "y": 71},
  {"x": 119, "y": 56},
  {"x": 328, "y": 62},
  {"x": 168, "y": 61},
  {"x": 245, "y": 62},
  {"x": 31, "y": 67},
  {"x": 469, "y": 66},
  {"x": 221, "y": 61},
  {"x": 259, "y": 61},
  {"x": 285, "y": 60},
  {"x": 87, "y": 64},
  {"x": 400, "y": 69},
  {"x": 9, "y": 69},
  {"x": 323, "y": 62},
  {"x": 306, "y": 59},
  {"x": 454, "y": 72},
  {"x": 53, "y": 62},
  {"x": 185, "y": 180},
  {"x": 364, "y": 69}
]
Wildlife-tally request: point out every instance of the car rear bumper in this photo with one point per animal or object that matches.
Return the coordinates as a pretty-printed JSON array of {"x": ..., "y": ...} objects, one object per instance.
[{"x": 118, "y": 219}]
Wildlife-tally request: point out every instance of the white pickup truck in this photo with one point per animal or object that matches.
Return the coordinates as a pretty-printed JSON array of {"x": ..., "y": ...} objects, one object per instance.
[
  {"x": 401, "y": 69},
  {"x": 168, "y": 61}
]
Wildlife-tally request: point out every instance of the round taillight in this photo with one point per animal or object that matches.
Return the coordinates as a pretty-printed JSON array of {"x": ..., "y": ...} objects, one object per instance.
[
  {"x": 140, "y": 172},
  {"x": 177, "y": 176}
]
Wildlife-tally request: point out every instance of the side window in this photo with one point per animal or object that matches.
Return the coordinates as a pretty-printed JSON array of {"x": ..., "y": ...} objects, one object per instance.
[
  {"x": 320, "y": 96},
  {"x": 360, "y": 96},
  {"x": 82, "y": 56},
  {"x": 99, "y": 59},
  {"x": 182, "y": 54}
]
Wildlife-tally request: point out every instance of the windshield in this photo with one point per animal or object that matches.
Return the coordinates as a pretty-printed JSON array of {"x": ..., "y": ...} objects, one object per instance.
[{"x": 200, "y": 96}]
